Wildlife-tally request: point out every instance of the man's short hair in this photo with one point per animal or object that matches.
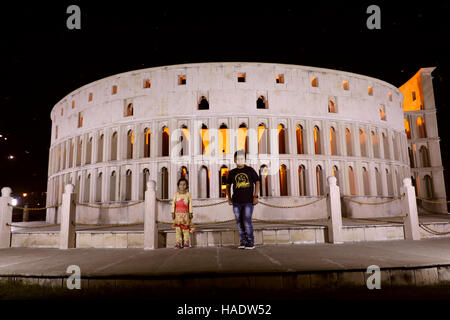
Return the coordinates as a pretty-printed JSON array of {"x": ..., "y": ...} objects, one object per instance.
[{"x": 240, "y": 152}]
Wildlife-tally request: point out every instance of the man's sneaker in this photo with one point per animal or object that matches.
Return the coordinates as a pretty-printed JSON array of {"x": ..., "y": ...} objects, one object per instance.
[
  {"x": 242, "y": 245},
  {"x": 249, "y": 247}
]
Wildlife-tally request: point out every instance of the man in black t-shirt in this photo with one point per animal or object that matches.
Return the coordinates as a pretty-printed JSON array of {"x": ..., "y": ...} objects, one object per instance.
[{"x": 244, "y": 198}]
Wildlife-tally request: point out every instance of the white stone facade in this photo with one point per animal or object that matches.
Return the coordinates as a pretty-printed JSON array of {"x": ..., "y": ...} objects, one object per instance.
[{"x": 367, "y": 144}]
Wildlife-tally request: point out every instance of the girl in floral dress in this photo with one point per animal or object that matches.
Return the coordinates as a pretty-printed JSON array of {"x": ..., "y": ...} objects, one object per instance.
[{"x": 182, "y": 214}]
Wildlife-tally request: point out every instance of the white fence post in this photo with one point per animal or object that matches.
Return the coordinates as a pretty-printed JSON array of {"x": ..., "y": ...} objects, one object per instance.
[
  {"x": 150, "y": 214},
  {"x": 334, "y": 212},
  {"x": 409, "y": 208},
  {"x": 5, "y": 217},
  {"x": 68, "y": 215}
]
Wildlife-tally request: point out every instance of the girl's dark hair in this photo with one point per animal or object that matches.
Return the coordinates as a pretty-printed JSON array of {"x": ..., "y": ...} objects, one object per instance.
[{"x": 183, "y": 179}]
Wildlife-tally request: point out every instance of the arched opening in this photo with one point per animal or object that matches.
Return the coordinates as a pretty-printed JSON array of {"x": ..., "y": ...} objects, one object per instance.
[
  {"x": 223, "y": 177},
  {"x": 331, "y": 106},
  {"x": 363, "y": 142},
  {"x": 80, "y": 147},
  {"x": 428, "y": 187},
  {"x": 424, "y": 156},
  {"x": 351, "y": 180},
  {"x": 243, "y": 138},
  {"x": 98, "y": 191},
  {"x": 301, "y": 180},
  {"x": 349, "y": 142},
  {"x": 128, "y": 183},
  {"x": 145, "y": 179},
  {"x": 385, "y": 146},
  {"x": 89, "y": 151},
  {"x": 261, "y": 103},
  {"x": 183, "y": 173},
  {"x": 264, "y": 180},
  {"x": 262, "y": 139},
  {"x": 164, "y": 183},
  {"x": 376, "y": 152},
  {"x": 378, "y": 181},
  {"x": 281, "y": 139},
  {"x": 299, "y": 135},
  {"x": 223, "y": 139},
  {"x": 333, "y": 142},
  {"x": 390, "y": 183},
  {"x": 366, "y": 182},
  {"x": 407, "y": 128},
  {"x": 317, "y": 142},
  {"x": 203, "y": 182},
  {"x": 130, "y": 144},
  {"x": 319, "y": 181},
  {"x": 283, "y": 181},
  {"x": 165, "y": 142},
  {"x": 129, "y": 110},
  {"x": 87, "y": 188},
  {"x": 147, "y": 135},
  {"x": 112, "y": 187},
  {"x": 70, "y": 154},
  {"x": 203, "y": 104},
  {"x": 204, "y": 137},
  {"x": 421, "y": 127},
  {"x": 100, "y": 148},
  {"x": 335, "y": 172},
  {"x": 114, "y": 146},
  {"x": 184, "y": 140},
  {"x": 411, "y": 158}
]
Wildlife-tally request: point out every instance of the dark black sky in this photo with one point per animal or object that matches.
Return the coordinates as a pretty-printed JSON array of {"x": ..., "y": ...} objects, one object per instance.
[{"x": 41, "y": 60}]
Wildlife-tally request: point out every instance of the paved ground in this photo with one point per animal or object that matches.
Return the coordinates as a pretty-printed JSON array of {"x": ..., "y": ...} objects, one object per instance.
[{"x": 225, "y": 260}]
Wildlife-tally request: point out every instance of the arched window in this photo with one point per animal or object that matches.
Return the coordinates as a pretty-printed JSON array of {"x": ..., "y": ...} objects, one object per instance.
[
  {"x": 263, "y": 147},
  {"x": 301, "y": 180},
  {"x": 80, "y": 147},
  {"x": 349, "y": 142},
  {"x": 421, "y": 127},
  {"x": 129, "y": 110},
  {"x": 317, "y": 142},
  {"x": 333, "y": 141},
  {"x": 183, "y": 173},
  {"x": 390, "y": 183},
  {"x": 87, "y": 188},
  {"x": 282, "y": 147},
  {"x": 130, "y": 144},
  {"x": 203, "y": 182},
  {"x": 363, "y": 142},
  {"x": 331, "y": 106},
  {"x": 114, "y": 146},
  {"x": 378, "y": 181},
  {"x": 164, "y": 183},
  {"x": 335, "y": 172},
  {"x": 366, "y": 182},
  {"x": 385, "y": 146},
  {"x": 98, "y": 189},
  {"x": 100, "y": 148},
  {"x": 112, "y": 187},
  {"x": 428, "y": 187},
  {"x": 71, "y": 154},
  {"x": 223, "y": 176},
  {"x": 424, "y": 156},
  {"x": 264, "y": 181},
  {"x": 204, "y": 137},
  {"x": 319, "y": 181},
  {"x": 147, "y": 135},
  {"x": 243, "y": 138},
  {"x": 89, "y": 151},
  {"x": 261, "y": 103},
  {"x": 299, "y": 134},
  {"x": 203, "y": 104},
  {"x": 411, "y": 157},
  {"x": 223, "y": 139},
  {"x": 184, "y": 139},
  {"x": 351, "y": 180},
  {"x": 128, "y": 184},
  {"x": 283, "y": 181},
  {"x": 145, "y": 178},
  {"x": 407, "y": 128},
  {"x": 165, "y": 142},
  {"x": 376, "y": 149}
]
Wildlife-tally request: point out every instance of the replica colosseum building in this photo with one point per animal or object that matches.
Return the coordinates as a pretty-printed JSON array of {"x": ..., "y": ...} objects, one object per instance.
[{"x": 298, "y": 125}]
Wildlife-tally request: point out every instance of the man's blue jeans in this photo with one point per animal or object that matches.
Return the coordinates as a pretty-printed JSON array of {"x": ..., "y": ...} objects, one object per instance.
[{"x": 243, "y": 213}]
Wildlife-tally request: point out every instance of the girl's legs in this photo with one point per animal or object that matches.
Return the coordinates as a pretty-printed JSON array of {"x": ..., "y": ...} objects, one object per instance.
[
  {"x": 179, "y": 237},
  {"x": 187, "y": 242}
]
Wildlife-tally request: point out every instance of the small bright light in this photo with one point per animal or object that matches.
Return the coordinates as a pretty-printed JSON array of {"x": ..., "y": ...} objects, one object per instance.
[
  {"x": 10, "y": 157},
  {"x": 1, "y": 136},
  {"x": 14, "y": 202},
  {"x": 24, "y": 194}
]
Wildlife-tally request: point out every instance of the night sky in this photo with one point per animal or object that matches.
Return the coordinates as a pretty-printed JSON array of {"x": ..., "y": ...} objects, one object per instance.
[{"x": 41, "y": 61}]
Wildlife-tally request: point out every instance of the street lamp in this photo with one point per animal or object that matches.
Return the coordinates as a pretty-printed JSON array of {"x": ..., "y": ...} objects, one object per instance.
[{"x": 14, "y": 202}]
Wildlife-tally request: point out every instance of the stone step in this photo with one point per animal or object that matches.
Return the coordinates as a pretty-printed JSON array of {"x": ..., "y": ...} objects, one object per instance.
[{"x": 219, "y": 237}]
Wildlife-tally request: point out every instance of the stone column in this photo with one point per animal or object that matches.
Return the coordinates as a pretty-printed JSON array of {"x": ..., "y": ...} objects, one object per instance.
[
  {"x": 334, "y": 223},
  {"x": 409, "y": 208},
  {"x": 67, "y": 231},
  {"x": 5, "y": 217},
  {"x": 150, "y": 216}
]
